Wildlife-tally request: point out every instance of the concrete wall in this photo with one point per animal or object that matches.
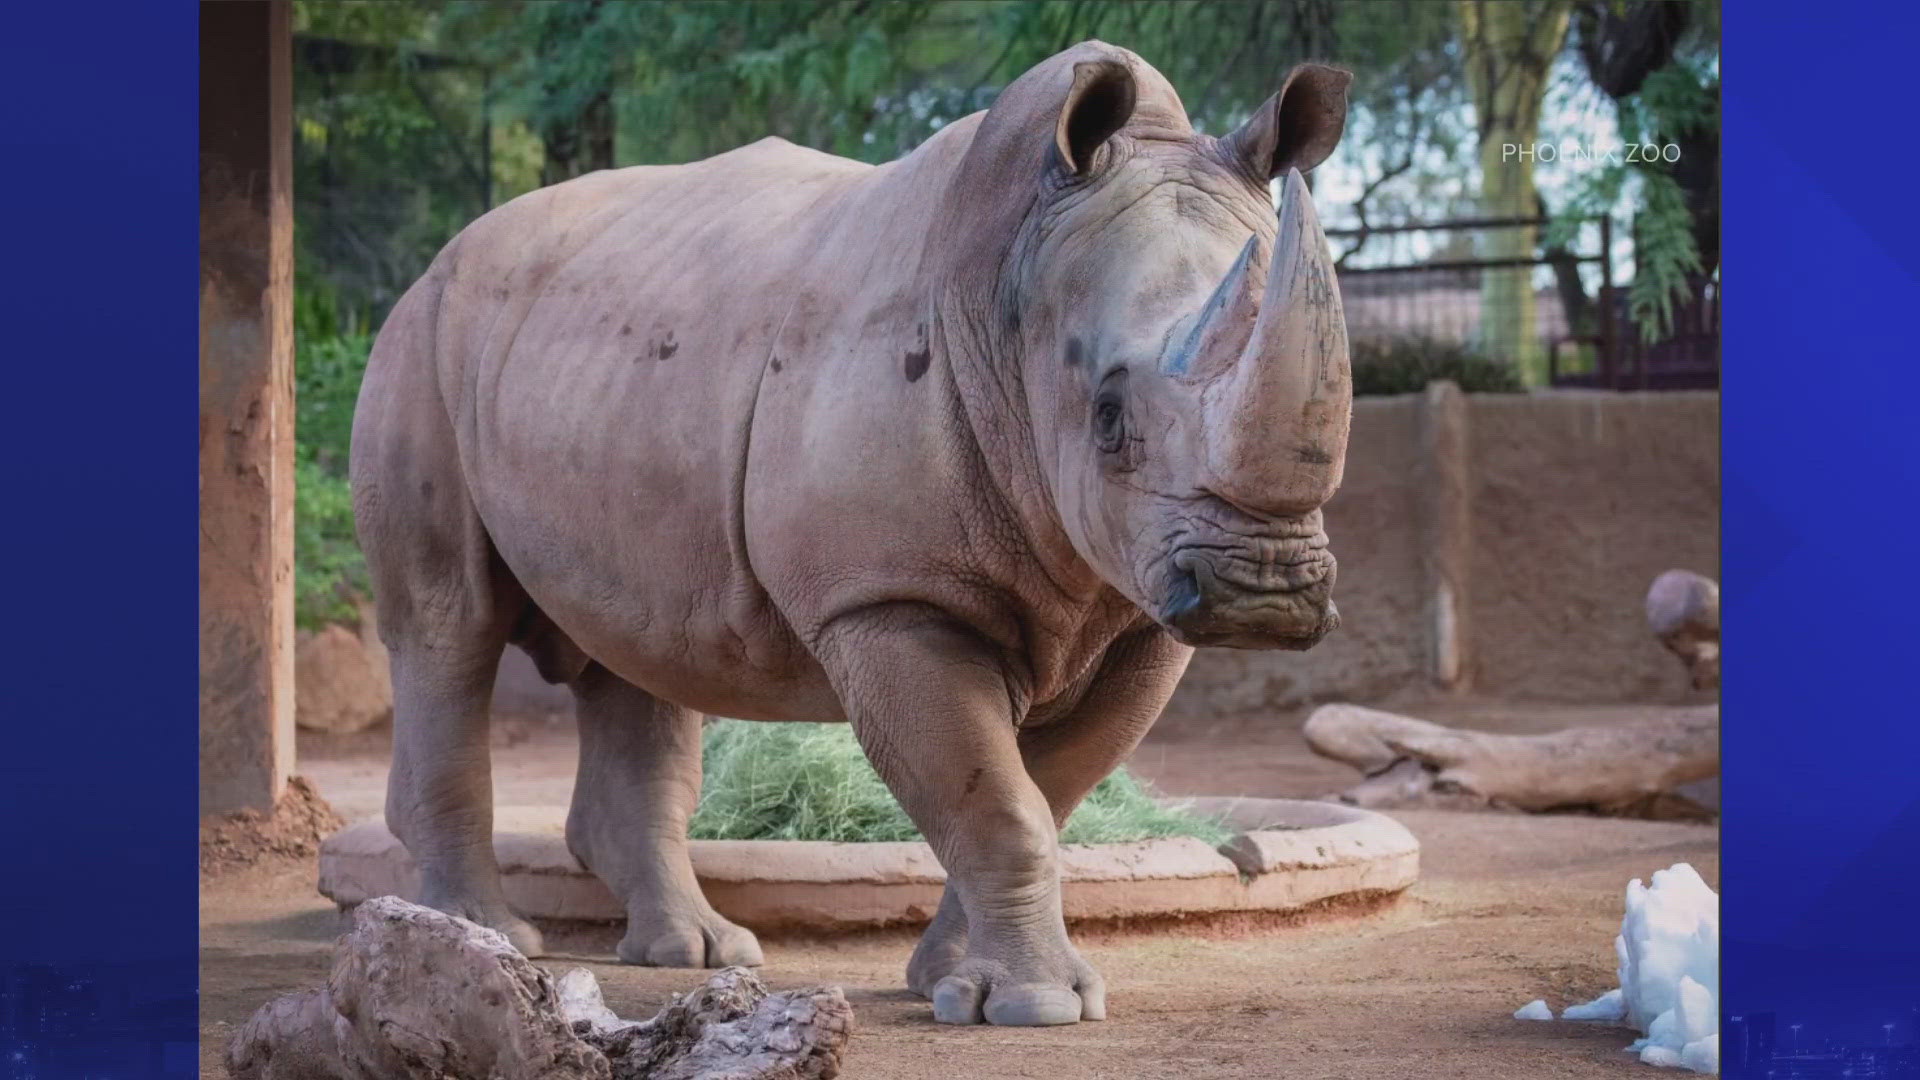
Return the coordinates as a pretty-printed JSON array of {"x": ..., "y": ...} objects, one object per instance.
[{"x": 1500, "y": 544}]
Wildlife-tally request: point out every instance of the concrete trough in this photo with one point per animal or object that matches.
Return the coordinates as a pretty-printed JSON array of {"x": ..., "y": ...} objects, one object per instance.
[{"x": 1290, "y": 854}]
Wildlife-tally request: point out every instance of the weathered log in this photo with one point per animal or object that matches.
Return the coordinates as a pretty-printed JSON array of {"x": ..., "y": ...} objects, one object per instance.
[
  {"x": 1623, "y": 769},
  {"x": 1620, "y": 768},
  {"x": 417, "y": 993},
  {"x": 729, "y": 1029}
]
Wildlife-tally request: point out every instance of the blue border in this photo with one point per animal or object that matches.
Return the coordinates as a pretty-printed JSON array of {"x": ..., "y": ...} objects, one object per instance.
[
  {"x": 1821, "y": 837},
  {"x": 1821, "y": 872},
  {"x": 98, "y": 765}
]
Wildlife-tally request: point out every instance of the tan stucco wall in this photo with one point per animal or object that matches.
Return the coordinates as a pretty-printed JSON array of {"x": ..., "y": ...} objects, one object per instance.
[
  {"x": 1573, "y": 502},
  {"x": 1579, "y": 500}
]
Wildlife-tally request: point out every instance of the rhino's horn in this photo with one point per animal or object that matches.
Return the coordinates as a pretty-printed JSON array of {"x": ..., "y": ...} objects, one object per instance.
[
  {"x": 1279, "y": 434},
  {"x": 1225, "y": 323}
]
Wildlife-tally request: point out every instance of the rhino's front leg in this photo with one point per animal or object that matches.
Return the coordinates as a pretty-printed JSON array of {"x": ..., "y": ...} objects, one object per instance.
[
  {"x": 1066, "y": 756},
  {"x": 638, "y": 783},
  {"x": 931, "y": 707}
]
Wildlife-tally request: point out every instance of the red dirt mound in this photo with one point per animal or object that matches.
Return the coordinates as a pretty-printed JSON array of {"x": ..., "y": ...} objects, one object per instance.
[{"x": 299, "y": 821}]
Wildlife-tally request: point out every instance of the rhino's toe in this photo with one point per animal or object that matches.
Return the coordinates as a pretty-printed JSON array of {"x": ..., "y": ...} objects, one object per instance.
[
  {"x": 692, "y": 945},
  {"x": 1033, "y": 1006},
  {"x": 729, "y": 945},
  {"x": 984, "y": 992},
  {"x": 957, "y": 1000}
]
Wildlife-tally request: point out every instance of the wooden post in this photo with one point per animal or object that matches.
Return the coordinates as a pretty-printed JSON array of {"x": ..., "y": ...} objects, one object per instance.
[
  {"x": 1445, "y": 525},
  {"x": 246, "y": 404}
]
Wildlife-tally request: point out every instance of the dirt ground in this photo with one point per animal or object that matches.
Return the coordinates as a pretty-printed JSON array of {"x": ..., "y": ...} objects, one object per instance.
[{"x": 1508, "y": 908}]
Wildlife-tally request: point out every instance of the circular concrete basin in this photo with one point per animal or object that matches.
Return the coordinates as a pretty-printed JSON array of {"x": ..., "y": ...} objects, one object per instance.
[{"x": 1288, "y": 855}]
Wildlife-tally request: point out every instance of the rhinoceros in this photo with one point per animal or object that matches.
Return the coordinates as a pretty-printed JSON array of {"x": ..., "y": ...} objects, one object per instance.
[{"x": 968, "y": 450}]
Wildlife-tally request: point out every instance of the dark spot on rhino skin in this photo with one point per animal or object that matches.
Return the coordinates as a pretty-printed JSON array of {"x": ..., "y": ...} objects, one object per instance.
[
  {"x": 1076, "y": 352},
  {"x": 919, "y": 357},
  {"x": 627, "y": 330},
  {"x": 666, "y": 348},
  {"x": 973, "y": 780},
  {"x": 776, "y": 363},
  {"x": 426, "y": 489},
  {"x": 1313, "y": 455}
]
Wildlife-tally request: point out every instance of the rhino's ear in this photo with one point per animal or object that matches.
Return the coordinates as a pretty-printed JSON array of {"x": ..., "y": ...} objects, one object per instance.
[
  {"x": 1298, "y": 127},
  {"x": 1099, "y": 104}
]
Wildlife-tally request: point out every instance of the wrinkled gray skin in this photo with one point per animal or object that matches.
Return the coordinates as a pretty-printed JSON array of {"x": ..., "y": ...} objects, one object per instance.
[{"x": 966, "y": 450}]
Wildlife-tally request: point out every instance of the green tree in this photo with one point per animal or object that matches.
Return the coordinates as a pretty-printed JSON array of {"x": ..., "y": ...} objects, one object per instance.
[
  {"x": 1658, "y": 62},
  {"x": 1509, "y": 46}
]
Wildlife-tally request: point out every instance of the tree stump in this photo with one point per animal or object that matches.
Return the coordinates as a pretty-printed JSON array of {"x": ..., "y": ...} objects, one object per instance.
[{"x": 417, "y": 993}]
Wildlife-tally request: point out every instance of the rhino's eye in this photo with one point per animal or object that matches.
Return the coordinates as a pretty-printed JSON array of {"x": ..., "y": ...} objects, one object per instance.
[{"x": 1110, "y": 413}]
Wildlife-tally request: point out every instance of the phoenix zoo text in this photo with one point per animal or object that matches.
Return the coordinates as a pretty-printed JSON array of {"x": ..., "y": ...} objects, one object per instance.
[{"x": 1602, "y": 153}]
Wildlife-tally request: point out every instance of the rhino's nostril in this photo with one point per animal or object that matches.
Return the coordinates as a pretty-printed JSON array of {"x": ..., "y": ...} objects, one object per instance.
[{"x": 1183, "y": 597}]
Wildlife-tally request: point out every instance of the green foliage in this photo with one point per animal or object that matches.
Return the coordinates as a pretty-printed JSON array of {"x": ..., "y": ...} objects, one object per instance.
[
  {"x": 328, "y": 570},
  {"x": 1666, "y": 257},
  {"x": 330, "y": 357},
  {"x": 812, "y": 782},
  {"x": 1679, "y": 98},
  {"x": 457, "y": 104},
  {"x": 327, "y": 373},
  {"x": 1405, "y": 365},
  {"x": 389, "y": 159}
]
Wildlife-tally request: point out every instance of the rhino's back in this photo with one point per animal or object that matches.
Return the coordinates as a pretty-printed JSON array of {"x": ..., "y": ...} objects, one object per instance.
[{"x": 602, "y": 342}]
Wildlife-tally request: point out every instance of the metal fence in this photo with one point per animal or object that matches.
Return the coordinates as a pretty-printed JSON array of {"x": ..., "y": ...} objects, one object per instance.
[
  {"x": 1427, "y": 282},
  {"x": 1687, "y": 357}
]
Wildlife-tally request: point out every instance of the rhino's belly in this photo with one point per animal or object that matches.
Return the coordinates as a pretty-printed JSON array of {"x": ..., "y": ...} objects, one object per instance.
[
  {"x": 641, "y": 578},
  {"x": 661, "y": 607},
  {"x": 613, "y": 509}
]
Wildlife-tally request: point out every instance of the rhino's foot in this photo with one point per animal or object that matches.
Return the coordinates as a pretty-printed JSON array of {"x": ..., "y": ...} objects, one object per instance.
[
  {"x": 985, "y": 990},
  {"x": 941, "y": 949},
  {"x": 706, "y": 939},
  {"x": 520, "y": 933},
  {"x": 933, "y": 961}
]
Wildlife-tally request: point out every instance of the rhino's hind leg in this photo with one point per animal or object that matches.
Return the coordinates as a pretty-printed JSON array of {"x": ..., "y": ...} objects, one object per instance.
[
  {"x": 446, "y": 603},
  {"x": 637, "y": 785},
  {"x": 440, "y": 789}
]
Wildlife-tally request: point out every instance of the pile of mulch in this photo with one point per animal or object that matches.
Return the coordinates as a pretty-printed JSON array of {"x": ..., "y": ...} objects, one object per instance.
[{"x": 299, "y": 821}]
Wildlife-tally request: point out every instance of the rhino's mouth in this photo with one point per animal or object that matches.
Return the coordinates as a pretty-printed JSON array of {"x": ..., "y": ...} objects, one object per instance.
[{"x": 1258, "y": 594}]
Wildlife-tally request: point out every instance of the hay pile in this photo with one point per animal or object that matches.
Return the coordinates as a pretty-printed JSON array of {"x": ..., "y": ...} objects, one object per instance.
[{"x": 811, "y": 782}]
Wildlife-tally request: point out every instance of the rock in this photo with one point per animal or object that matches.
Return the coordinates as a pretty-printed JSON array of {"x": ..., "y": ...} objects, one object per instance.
[
  {"x": 416, "y": 994},
  {"x": 342, "y": 682},
  {"x": 1683, "y": 611}
]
